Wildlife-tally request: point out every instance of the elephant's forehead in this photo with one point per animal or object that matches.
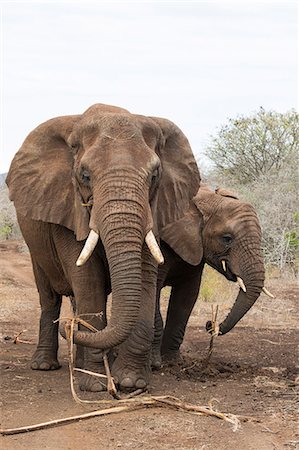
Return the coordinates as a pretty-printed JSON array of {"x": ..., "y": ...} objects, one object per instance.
[
  {"x": 232, "y": 207},
  {"x": 107, "y": 118},
  {"x": 115, "y": 126}
]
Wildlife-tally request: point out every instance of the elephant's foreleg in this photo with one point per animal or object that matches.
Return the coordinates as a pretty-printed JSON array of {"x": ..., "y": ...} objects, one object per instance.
[
  {"x": 182, "y": 299},
  {"x": 131, "y": 369},
  {"x": 45, "y": 356},
  {"x": 89, "y": 286},
  {"x": 156, "y": 360}
]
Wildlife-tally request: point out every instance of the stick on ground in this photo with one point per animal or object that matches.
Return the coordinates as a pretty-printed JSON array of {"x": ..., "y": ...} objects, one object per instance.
[{"x": 133, "y": 404}]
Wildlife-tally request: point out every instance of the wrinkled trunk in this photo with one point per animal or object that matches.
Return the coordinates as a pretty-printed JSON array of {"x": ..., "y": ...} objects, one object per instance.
[
  {"x": 119, "y": 220},
  {"x": 253, "y": 274},
  {"x": 243, "y": 303}
]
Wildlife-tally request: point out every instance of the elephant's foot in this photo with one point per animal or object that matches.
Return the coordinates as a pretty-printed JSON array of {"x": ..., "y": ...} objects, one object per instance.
[
  {"x": 171, "y": 357},
  {"x": 128, "y": 376},
  {"x": 92, "y": 383},
  {"x": 131, "y": 369},
  {"x": 156, "y": 359},
  {"x": 44, "y": 360},
  {"x": 93, "y": 362}
]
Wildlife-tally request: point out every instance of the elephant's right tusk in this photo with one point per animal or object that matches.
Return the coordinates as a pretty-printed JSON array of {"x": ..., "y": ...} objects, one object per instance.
[
  {"x": 88, "y": 248},
  {"x": 241, "y": 284},
  {"x": 154, "y": 247},
  {"x": 223, "y": 265},
  {"x": 267, "y": 292}
]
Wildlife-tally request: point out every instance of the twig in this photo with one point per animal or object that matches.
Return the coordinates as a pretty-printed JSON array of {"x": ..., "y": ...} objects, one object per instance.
[
  {"x": 66, "y": 420},
  {"x": 78, "y": 319},
  {"x": 110, "y": 382},
  {"x": 267, "y": 430},
  {"x": 89, "y": 372},
  {"x": 203, "y": 410},
  {"x": 195, "y": 364},
  {"x": 270, "y": 342},
  {"x": 206, "y": 360},
  {"x": 69, "y": 331},
  {"x": 132, "y": 394},
  {"x": 18, "y": 340}
]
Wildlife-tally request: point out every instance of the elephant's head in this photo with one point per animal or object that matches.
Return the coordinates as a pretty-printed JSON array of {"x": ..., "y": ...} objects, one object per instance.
[
  {"x": 112, "y": 174},
  {"x": 225, "y": 233},
  {"x": 231, "y": 239}
]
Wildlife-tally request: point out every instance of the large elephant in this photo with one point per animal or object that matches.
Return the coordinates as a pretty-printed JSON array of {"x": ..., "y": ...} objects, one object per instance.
[
  {"x": 224, "y": 232},
  {"x": 115, "y": 175}
]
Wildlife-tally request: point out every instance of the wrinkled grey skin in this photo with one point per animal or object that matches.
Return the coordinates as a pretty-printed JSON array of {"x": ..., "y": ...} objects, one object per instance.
[
  {"x": 219, "y": 228},
  {"x": 121, "y": 175}
]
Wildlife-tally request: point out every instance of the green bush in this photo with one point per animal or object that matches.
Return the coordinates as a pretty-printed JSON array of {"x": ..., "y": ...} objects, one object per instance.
[{"x": 257, "y": 157}]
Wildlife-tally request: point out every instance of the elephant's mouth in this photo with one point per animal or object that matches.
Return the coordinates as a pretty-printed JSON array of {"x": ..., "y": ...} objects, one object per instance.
[
  {"x": 223, "y": 267},
  {"x": 231, "y": 276},
  {"x": 88, "y": 202},
  {"x": 226, "y": 271}
]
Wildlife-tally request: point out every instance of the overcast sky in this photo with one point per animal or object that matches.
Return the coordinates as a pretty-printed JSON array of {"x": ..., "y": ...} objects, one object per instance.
[{"x": 195, "y": 63}]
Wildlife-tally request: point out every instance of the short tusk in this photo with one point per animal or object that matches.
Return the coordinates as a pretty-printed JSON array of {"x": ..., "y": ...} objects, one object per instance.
[
  {"x": 267, "y": 292},
  {"x": 223, "y": 264},
  {"x": 241, "y": 284},
  {"x": 88, "y": 248},
  {"x": 154, "y": 247}
]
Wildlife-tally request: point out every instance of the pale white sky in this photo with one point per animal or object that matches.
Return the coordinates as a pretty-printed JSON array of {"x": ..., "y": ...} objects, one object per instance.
[{"x": 196, "y": 63}]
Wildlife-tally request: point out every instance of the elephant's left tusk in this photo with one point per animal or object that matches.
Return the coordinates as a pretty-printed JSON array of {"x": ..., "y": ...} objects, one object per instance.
[
  {"x": 88, "y": 248},
  {"x": 267, "y": 292},
  {"x": 154, "y": 247},
  {"x": 241, "y": 284}
]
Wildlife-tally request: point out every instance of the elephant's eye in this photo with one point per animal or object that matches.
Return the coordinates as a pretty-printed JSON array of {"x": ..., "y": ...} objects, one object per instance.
[
  {"x": 227, "y": 239},
  {"x": 155, "y": 176},
  {"x": 75, "y": 146},
  {"x": 85, "y": 176}
]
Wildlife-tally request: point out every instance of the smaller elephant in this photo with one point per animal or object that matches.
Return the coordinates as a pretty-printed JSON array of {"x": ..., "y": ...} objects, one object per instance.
[{"x": 224, "y": 232}]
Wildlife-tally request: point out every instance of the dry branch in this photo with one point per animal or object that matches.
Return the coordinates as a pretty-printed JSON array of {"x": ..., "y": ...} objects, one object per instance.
[
  {"x": 65, "y": 421},
  {"x": 214, "y": 332},
  {"x": 133, "y": 404},
  {"x": 20, "y": 341}
]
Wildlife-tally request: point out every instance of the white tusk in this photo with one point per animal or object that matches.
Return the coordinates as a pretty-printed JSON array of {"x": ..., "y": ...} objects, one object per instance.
[
  {"x": 154, "y": 247},
  {"x": 223, "y": 264},
  {"x": 88, "y": 248},
  {"x": 241, "y": 284},
  {"x": 267, "y": 292}
]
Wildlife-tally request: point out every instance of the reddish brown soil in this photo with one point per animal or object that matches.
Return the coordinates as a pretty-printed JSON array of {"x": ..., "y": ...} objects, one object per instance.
[{"x": 252, "y": 374}]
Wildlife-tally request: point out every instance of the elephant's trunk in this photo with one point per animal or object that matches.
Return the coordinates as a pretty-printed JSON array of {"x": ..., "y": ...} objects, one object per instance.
[
  {"x": 243, "y": 303},
  {"x": 252, "y": 273},
  {"x": 118, "y": 215}
]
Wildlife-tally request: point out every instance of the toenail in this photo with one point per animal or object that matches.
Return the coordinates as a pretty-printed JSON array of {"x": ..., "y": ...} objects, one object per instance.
[
  {"x": 127, "y": 382},
  {"x": 140, "y": 384},
  {"x": 44, "y": 366}
]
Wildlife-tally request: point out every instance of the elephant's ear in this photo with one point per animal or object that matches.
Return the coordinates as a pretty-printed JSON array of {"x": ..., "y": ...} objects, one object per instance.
[
  {"x": 226, "y": 193},
  {"x": 184, "y": 236},
  {"x": 40, "y": 176},
  {"x": 177, "y": 223},
  {"x": 206, "y": 201}
]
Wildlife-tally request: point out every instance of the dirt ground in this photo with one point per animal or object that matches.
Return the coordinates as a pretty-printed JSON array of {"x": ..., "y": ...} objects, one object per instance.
[{"x": 253, "y": 373}]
